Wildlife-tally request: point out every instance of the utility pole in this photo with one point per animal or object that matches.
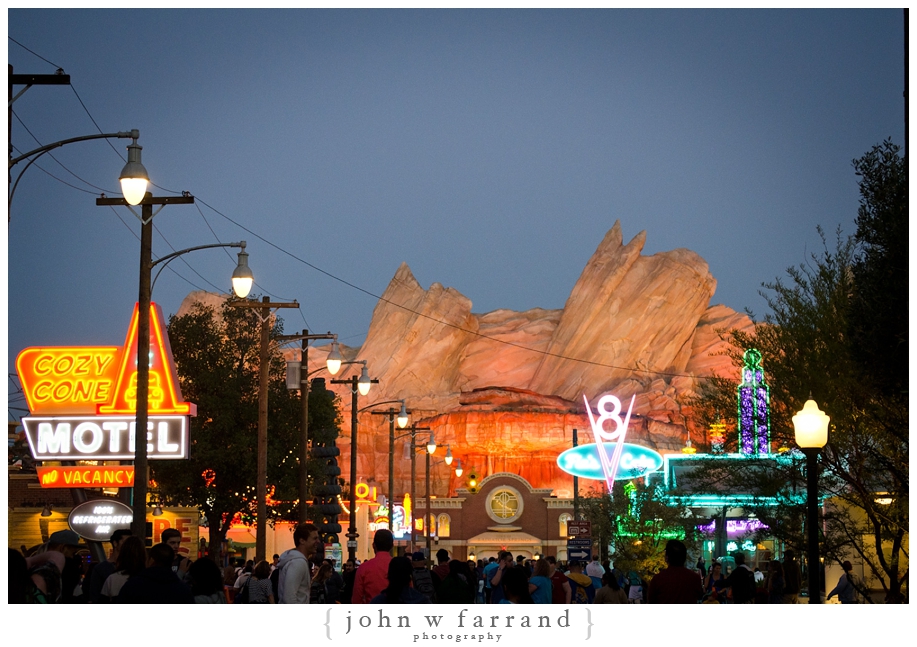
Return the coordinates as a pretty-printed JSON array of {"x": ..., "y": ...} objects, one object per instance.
[
  {"x": 352, "y": 533},
  {"x": 264, "y": 307},
  {"x": 576, "y": 484},
  {"x": 28, "y": 80},
  {"x": 414, "y": 430},
  {"x": 141, "y": 464}
]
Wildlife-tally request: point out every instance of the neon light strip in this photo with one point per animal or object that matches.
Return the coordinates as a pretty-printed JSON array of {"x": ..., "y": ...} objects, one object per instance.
[
  {"x": 619, "y": 448},
  {"x": 609, "y": 466},
  {"x": 600, "y": 447}
]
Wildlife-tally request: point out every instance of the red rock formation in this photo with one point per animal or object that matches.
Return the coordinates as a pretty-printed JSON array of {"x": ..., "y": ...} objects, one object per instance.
[{"x": 500, "y": 388}]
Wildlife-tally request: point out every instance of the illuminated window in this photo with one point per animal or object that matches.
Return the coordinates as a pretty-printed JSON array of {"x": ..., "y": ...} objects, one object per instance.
[
  {"x": 442, "y": 524},
  {"x": 505, "y": 504},
  {"x": 562, "y": 520}
]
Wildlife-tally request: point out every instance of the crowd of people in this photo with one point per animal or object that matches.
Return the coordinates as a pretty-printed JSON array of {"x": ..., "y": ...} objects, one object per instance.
[{"x": 160, "y": 574}]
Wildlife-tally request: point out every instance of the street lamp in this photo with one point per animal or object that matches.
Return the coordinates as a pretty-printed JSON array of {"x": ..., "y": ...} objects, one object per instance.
[
  {"x": 427, "y": 525},
  {"x": 131, "y": 176},
  {"x": 358, "y": 386},
  {"x": 811, "y": 430},
  {"x": 430, "y": 448},
  {"x": 134, "y": 178},
  {"x": 402, "y": 419},
  {"x": 264, "y": 306},
  {"x": 240, "y": 287},
  {"x": 413, "y": 455}
]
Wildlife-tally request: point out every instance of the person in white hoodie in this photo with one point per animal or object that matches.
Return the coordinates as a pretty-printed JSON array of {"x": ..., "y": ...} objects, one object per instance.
[{"x": 295, "y": 577}]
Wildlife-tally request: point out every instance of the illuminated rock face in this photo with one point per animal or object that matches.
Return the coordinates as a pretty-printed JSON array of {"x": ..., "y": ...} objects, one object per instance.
[
  {"x": 628, "y": 311},
  {"x": 643, "y": 325}
]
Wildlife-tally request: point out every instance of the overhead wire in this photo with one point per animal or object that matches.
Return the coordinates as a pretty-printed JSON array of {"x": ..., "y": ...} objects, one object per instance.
[
  {"x": 440, "y": 321},
  {"x": 103, "y": 190},
  {"x": 372, "y": 294}
]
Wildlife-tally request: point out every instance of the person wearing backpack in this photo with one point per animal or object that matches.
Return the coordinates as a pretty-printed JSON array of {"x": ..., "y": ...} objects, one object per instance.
[
  {"x": 425, "y": 580},
  {"x": 581, "y": 585}
]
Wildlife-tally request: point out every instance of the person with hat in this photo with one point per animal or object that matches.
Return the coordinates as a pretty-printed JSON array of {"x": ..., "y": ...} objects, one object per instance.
[
  {"x": 372, "y": 575},
  {"x": 68, "y": 543}
]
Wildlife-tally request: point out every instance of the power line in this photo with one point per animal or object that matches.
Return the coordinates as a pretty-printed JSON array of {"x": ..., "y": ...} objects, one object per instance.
[
  {"x": 446, "y": 323},
  {"x": 358, "y": 288},
  {"x": 33, "y": 53}
]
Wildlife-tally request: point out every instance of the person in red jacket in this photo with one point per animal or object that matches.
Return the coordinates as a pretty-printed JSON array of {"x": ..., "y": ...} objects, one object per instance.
[
  {"x": 676, "y": 584},
  {"x": 372, "y": 575}
]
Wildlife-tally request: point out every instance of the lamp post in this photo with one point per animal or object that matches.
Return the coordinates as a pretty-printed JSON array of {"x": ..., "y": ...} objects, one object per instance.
[
  {"x": 133, "y": 184},
  {"x": 427, "y": 524},
  {"x": 241, "y": 285},
  {"x": 333, "y": 365},
  {"x": 402, "y": 418},
  {"x": 811, "y": 430},
  {"x": 41, "y": 150},
  {"x": 430, "y": 448},
  {"x": 413, "y": 434},
  {"x": 358, "y": 386},
  {"x": 264, "y": 307}
]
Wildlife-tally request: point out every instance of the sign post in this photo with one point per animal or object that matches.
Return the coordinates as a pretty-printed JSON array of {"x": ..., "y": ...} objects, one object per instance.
[{"x": 579, "y": 549}]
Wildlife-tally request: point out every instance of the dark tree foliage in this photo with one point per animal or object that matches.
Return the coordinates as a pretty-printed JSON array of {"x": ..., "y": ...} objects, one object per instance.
[
  {"x": 637, "y": 522},
  {"x": 323, "y": 471},
  {"x": 878, "y": 307},
  {"x": 838, "y": 331},
  {"x": 217, "y": 359}
]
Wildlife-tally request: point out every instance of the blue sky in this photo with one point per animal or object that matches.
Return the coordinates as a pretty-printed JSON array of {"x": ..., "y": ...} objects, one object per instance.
[{"x": 490, "y": 150}]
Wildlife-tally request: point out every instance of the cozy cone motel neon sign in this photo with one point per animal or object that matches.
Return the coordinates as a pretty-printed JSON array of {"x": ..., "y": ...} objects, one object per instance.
[
  {"x": 610, "y": 458},
  {"x": 83, "y": 402}
]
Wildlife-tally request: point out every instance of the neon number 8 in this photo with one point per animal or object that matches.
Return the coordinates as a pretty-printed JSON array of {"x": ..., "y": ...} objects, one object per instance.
[{"x": 605, "y": 414}]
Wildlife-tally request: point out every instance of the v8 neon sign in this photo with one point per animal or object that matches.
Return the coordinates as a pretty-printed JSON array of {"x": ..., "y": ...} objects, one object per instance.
[{"x": 609, "y": 463}]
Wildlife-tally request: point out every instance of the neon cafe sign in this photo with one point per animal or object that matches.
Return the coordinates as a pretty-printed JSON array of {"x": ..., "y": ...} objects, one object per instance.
[
  {"x": 609, "y": 458},
  {"x": 83, "y": 401}
]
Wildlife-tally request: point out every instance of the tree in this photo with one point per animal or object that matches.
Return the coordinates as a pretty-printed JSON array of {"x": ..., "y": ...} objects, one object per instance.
[
  {"x": 838, "y": 330},
  {"x": 217, "y": 360},
  {"x": 879, "y": 314},
  {"x": 637, "y": 521}
]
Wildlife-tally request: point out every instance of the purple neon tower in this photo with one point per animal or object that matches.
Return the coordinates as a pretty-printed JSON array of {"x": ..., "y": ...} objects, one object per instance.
[{"x": 753, "y": 396}]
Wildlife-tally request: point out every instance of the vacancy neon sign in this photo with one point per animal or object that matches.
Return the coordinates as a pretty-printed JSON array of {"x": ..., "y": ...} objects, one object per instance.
[{"x": 609, "y": 463}]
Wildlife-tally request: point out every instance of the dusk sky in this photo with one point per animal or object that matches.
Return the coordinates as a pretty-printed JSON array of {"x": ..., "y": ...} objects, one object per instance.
[{"x": 490, "y": 150}]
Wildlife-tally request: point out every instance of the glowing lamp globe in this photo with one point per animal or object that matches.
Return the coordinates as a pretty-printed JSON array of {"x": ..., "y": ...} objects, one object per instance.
[
  {"x": 134, "y": 178},
  {"x": 242, "y": 277},
  {"x": 364, "y": 383},
  {"x": 334, "y": 359},
  {"x": 402, "y": 416},
  {"x": 811, "y": 426}
]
